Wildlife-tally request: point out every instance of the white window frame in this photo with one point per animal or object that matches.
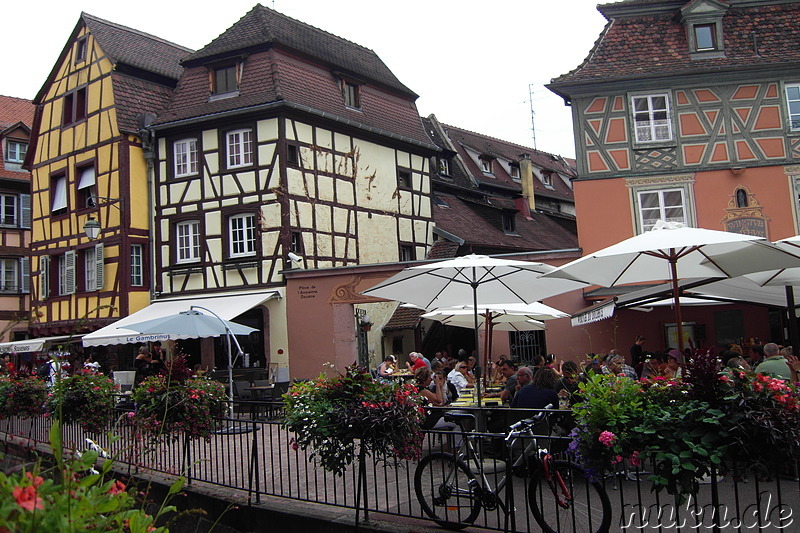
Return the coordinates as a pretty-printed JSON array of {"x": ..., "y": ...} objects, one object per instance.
[
  {"x": 137, "y": 265},
  {"x": 59, "y": 191},
  {"x": 15, "y": 152},
  {"x": 9, "y": 209},
  {"x": 664, "y": 210},
  {"x": 486, "y": 165},
  {"x": 242, "y": 235},
  {"x": 9, "y": 272},
  {"x": 90, "y": 269},
  {"x": 647, "y": 125},
  {"x": 187, "y": 237},
  {"x": 514, "y": 172},
  {"x": 793, "y": 105},
  {"x": 185, "y": 154},
  {"x": 444, "y": 167},
  {"x": 239, "y": 146}
]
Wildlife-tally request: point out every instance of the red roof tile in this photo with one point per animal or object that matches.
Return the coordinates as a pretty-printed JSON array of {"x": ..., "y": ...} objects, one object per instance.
[
  {"x": 404, "y": 318},
  {"x": 635, "y": 46},
  {"x": 13, "y": 110}
]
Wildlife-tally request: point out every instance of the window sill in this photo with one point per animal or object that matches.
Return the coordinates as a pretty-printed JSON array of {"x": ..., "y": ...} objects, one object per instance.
[
  {"x": 239, "y": 264},
  {"x": 706, "y": 54},
  {"x": 222, "y": 96},
  {"x": 185, "y": 271},
  {"x": 646, "y": 145}
]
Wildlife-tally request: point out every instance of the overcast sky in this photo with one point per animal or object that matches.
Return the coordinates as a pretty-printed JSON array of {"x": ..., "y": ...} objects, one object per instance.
[{"x": 474, "y": 64}]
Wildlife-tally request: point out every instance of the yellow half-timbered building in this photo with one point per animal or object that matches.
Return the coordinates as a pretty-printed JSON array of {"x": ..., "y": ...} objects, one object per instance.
[{"x": 90, "y": 176}]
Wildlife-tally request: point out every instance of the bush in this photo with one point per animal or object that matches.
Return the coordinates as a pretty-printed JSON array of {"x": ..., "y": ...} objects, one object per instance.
[
  {"x": 22, "y": 396},
  {"x": 87, "y": 398}
]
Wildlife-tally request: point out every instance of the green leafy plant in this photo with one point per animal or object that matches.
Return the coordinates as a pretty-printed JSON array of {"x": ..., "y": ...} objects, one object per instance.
[
  {"x": 73, "y": 497},
  {"x": 86, "y": 397},
  {"x": 329, "y": 414},
  {"x": 174, "y": 404},
  {"x": 688, "y": 429},
  {"x": 22, "y": 396}
]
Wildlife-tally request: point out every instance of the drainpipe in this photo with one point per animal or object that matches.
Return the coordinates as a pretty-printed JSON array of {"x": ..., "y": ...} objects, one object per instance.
[{"x": 148, "y": 137}]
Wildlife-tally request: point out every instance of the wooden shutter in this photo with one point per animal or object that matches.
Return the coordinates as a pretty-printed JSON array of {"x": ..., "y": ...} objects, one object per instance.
[
  {"x": 98, "y": 269},
  {"x": 69, "y": 272},
  {"x": 25, "y": 274},
  {"x": 44, "y": 277},
  {"x": 25, "y": 211}
]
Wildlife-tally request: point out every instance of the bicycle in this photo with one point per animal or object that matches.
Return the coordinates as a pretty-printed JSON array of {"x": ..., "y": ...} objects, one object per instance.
[{"x": 561, "y": 497}]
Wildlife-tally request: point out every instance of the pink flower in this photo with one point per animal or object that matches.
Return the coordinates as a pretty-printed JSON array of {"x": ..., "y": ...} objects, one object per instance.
[
  {"x": 634, "y": 459},
  {"x": 27, "y": 498},
  {"x": 725, "y": 378},
  {"x": 616, "y": 460},
  {"x": 116, "y": 488},
  {"x": 35, "y": 480},
  {"x": 607, "y": 438}
]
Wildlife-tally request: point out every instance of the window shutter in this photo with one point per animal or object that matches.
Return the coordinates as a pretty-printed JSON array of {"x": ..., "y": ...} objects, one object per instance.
[
  {"x": 69, "y": 272},
  {"x": 25, "y": 211},
  {"x": 99, "y": 263},
  {"x": 25, "y": 270},
  {"x": 44, "y": 277}
]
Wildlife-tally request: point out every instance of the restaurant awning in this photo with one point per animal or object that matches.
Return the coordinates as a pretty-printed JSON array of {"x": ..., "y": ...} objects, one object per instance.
[
  {"x": 35, "y": 345},
  {"x": 227, "y": 306}
]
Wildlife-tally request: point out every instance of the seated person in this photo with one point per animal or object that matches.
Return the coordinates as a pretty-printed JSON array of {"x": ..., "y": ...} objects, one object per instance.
[
  {"x": 387, "y": 367},
  {"x": 417, "y": 361},
  {"x": 509, "y": 370},
  {"x": 450, "y": 392},
  {"x": 540, "y": 393},
  {"x": 458, "y": 377}
]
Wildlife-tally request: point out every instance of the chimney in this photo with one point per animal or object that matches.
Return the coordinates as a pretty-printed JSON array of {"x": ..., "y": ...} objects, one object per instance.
[{"x": 526, "y": 178}]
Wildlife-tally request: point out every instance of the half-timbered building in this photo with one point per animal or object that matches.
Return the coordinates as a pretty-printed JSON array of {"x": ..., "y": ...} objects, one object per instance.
[
  {"x": 285, "y": 147},
  {"x": 90, "y": 173},
  {"x": 16, "y": 118},
  {"x": 688, "y": 111}
]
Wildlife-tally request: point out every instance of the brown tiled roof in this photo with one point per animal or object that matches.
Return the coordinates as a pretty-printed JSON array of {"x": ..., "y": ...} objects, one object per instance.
[
  {"x": 262, "y": 27},
  {"x": 479, "y": 225},
  {"x": 134, "y": 96},
  {"x": 275, "y": 78},
  {"x": 404, "y": 318},
  {"x": 443, "y": 249},
  {"x": 484, "y": 144},
  {"x": 14, "y": 113},
  {"x": 653, "y": 45},
  {"x": 13, "y": 110},
  {"x": 132, "y": 47}
]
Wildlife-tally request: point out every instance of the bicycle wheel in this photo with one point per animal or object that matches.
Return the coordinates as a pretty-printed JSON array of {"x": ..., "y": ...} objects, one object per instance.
[
  {"x": 585, "y": 509},
  {"x": 447, "y": 491}
]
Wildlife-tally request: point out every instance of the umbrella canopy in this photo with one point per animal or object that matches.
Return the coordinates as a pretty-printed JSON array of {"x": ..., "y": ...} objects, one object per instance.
[
  {"x": 191, "y": 324},
  {"x": 671, "y": 251},
  {"x": 475, "y": 280},
  {"x": 464, "y": 318}
]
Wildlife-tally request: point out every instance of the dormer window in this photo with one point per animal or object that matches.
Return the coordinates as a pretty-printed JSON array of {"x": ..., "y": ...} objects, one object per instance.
[
  {"x": 509, "y": 223},
  {"x": 225, "y": 81},
  {"x": 703, "y": 22},
  {"x": 352, "y": 94},
  {"x": 486, "y": 165},
  {"x": 547, "y": 179},
  {"x": 444, "y": 167},
  {"x": 515, "y": 173}
]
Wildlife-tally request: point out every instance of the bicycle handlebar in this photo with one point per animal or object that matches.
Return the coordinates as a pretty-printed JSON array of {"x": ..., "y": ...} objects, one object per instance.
[{"x": 527, "y": 423}]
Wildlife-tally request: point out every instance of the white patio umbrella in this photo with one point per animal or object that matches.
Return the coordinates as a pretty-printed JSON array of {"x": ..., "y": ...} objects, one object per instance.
[
  {"x": 193, "y": 324},
  {"x": 671, "y": 251},
  {"x": 475, "y": 280}
]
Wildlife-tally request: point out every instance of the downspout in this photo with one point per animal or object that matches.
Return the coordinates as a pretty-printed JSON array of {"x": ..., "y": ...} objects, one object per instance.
[{"x": 148, "y": 136}]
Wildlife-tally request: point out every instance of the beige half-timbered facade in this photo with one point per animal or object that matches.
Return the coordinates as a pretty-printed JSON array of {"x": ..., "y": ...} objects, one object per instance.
[
  {"x": 88, "y": 162},
  {"x": 295, "y": 149}
]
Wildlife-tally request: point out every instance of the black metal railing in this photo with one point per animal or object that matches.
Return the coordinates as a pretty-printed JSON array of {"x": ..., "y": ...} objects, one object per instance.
[{"x": 254, "y": 454}]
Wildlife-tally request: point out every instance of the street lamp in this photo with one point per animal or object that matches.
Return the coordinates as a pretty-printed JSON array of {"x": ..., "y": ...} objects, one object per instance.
[{"x": 92, "y": 228}]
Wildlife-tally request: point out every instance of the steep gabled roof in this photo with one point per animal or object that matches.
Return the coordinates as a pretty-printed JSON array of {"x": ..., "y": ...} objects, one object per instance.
[
  {"x": 465, "y": 140},
  {"x": 14, "y": 110},
  {"x": 471, "y": 222},
  {"x": 137, "y": 49},
  {"x": 262, "y": 27},
  {"x": 645, "y": 41},
  {"x": 278, "y": 78}
]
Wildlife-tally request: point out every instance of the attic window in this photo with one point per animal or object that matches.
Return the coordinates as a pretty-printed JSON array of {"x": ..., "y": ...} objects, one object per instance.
[
  {"x": 225, "y": 80},
  {"x": 439, "y": 201},
  {"x": 352, "y": 94},
  {"x": 509, "y": 224},
  {"x": 547, "y": 179},
  {"x": 80, "y": 50},
  {"x": 444, "y": 167},
  {"x": 486, "y": 165},
  {"x": 515, "y": 173},
  {"x": 705, "y": 37},
  {"x": 703, "y": 22}
]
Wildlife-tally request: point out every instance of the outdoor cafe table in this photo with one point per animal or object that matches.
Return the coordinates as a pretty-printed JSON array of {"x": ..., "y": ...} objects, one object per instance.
[{"x": 260, "y": 399}]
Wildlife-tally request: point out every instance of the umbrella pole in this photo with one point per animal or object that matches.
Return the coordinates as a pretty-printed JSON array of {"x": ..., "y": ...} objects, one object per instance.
[
  {"x": 792, "y": 317},
  {"x": 676, "y": 295},
  {"x": 477, "y": 339}
]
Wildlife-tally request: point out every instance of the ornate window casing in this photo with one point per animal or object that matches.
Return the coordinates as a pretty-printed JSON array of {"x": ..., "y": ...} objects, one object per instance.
[
  {"x": 669, "y": 198},
  {"x": 184, "y": 153},
  {"x": 187, "y": 239},
  {"x": 704, "y": 29},
  {"x": 651, "y": 116}
]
